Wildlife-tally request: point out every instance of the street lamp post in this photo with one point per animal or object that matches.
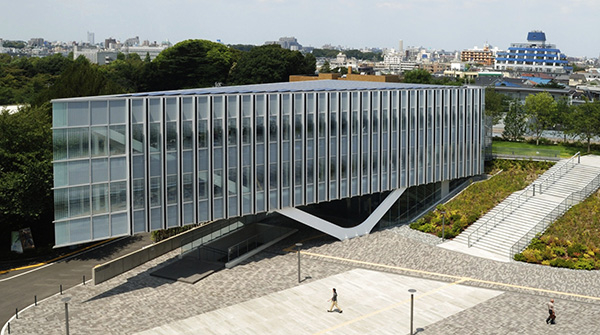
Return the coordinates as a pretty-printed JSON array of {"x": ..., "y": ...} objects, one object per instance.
[
  {"x": 443, "y": 224},
  {"x": 412, "y": 303},
  {"x": 66, "y": 301},
  {"x": 299, "y": 245}
]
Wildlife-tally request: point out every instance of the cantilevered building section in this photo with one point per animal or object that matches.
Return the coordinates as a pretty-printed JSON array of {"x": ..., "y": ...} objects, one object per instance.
[
  {"x": 533, "y": 56},
  {"x": 125, "y": 164}
]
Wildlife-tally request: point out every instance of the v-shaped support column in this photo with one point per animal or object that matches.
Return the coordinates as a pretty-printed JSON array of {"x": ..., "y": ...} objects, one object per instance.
[{"x": 343, "y": 233}]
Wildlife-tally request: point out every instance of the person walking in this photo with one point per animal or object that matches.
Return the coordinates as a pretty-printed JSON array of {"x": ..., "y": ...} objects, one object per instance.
[
  {"x": 551, "y": 313},
  {"x": 334, "y": 302}
]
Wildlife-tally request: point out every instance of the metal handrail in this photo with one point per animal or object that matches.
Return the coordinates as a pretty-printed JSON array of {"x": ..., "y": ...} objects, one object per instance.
[
  {"x": 574, "y": 198},
  {"x": 552, "y": 176},
  {"x": 509, "y": 208},
  {"x": 234, "y": 250},
  {"x": 215, "y": 230}
]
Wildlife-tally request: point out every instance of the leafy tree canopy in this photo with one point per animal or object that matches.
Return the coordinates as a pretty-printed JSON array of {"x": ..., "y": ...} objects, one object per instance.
[
  {"x": 14, "y": 44},
  {"x": 541, "y": 111},
  {"x": 418, "y": 76},
  {"x": 26, "y": 168},
  {"x": 495, "y": 104},
  {"x": 585, "y": 121},
  {"x": 325, "y": 68},
  {"x": 190, "y": 64},
  {"x": 242, "y": 47},
  {"x": 81, "y": 78},
  {"x": 269, "y": 64},
  {"x": 515, "y": 122}
]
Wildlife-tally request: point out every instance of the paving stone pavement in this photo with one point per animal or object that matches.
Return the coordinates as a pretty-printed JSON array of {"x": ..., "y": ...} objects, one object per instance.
[{"x": 135, "y": 301}]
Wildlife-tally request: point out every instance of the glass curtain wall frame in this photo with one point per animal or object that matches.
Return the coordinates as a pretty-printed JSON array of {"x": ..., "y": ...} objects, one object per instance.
[
  {"x": 368, "y": 141},
  {"x": 94, "y": 187}
]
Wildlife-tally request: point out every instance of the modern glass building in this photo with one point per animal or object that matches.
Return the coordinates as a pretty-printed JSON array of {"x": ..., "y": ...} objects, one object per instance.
[{"x": 133, "y": 163}]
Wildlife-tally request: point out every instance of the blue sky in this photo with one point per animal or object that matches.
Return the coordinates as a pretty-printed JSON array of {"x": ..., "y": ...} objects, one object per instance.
[{"x": 439, "y": 24}]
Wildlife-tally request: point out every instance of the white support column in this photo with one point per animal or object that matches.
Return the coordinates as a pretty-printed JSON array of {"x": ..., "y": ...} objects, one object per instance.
[{"x": 342, "y": 233}]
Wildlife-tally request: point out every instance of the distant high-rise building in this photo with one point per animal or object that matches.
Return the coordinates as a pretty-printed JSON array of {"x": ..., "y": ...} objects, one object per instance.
[
  {"x": 36, "y": 42},
  {"x": 132, "y": 41},
  {"x": 290, "y": 43},
  {"x": 108, "y": 42},
  {"x": 401, "y": 46},
  {"x": 91, "y": 38},
  {"x": 483, "y": 56}
]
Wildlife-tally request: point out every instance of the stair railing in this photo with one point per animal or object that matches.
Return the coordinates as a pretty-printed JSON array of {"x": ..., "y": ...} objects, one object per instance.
[
  {"x": 573, "y": 199},
  {"x": 558, "y": 173},
  {"x": 516, "y": 202}
]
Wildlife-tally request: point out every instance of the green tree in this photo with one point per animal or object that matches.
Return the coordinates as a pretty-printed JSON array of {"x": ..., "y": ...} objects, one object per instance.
[
  {"x": 515, "y": 123},
  {"x": 325, "y": 68},
  {"x": 585, "y": 121},
  {"x": 26, "y": 170},
  {"x": 328, "y": 53},
  {"x": 343, "y": 70},
  {"x": 418, "y": 76},
  {"x": 125, "y": 72},
  {"x": 541, "y": 112},
  {"x": 495, "y": 104},
  {"x": 81, "y": 78},
  {"x": 550, "y": 84},
  {"x": 270, "y": 64},
  {"x": 190, "y": 64},
  {"x": 563, "y": 116},
  {"x": 242, "y": 47}
]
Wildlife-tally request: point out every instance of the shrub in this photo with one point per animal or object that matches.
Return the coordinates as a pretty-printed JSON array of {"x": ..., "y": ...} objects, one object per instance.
[
  {"x": 576, "y": 250},
  {"x": 163, "y": 234},
  {"x": 519, "y": 257},
  {"x": 532, "y": 256},
  {"x": 537, "y": 244},
  {"x": 559, "y": 251},
  {"x": 562, "y": 263},
  {"x": 584, "y": 264}
]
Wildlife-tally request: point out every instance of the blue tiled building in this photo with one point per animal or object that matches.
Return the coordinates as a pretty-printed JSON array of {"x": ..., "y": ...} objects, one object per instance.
[{"x": 533, "y": 56}]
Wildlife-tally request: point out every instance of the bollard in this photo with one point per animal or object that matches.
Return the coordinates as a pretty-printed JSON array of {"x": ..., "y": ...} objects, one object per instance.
[
  {"x": 35, "y": 300},
  {"x": 83, "y": 280},
  {"x": 60, "y": 289},
  {"x": 8, "y": 328},
  {"x": 16, "y": 313}
]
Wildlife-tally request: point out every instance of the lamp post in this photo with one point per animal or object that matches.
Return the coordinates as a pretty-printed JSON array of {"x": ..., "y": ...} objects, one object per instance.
[
  {"x": 412, "y": 303},
  {"x": 443, "y": 224},
  {"x": 299, "y": 245},
  {"x": 66, "y": 301}
]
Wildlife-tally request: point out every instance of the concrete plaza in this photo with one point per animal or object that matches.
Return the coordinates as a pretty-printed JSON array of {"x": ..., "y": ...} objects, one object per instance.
[{"x": 456, "y": 294}]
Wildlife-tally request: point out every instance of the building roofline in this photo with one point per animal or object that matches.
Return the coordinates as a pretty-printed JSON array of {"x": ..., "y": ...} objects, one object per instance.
[{"x": 300, "y": 86}]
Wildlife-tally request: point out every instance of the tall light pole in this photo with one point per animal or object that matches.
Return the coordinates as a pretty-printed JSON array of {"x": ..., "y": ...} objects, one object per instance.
[
  {"x": 443, "y": 224},
  {"x": 299, "y": 245},
  {"x": 412, "y": 304},
  {"x": 66, "y": 301}
]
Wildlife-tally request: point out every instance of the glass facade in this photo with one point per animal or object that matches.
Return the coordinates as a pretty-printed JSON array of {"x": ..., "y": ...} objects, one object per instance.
[{"x": 144, "y": 162}]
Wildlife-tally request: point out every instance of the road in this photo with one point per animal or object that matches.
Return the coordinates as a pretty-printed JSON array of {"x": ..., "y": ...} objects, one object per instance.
[{"x": 19, "y": 288}]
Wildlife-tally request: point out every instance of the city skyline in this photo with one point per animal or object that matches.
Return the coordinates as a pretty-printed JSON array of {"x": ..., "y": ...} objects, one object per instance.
[{"x": 434, "y": 24}]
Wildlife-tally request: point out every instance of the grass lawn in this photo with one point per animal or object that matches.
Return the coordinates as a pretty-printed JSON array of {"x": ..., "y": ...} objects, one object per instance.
[
  {"x": 572, "y": 241},
  {"x": 480, "y": 197},
  {"x": 549, "y": 150}
]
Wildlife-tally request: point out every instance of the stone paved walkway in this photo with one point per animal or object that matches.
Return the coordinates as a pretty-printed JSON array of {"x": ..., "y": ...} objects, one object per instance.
[{"x": 136, "y": 302}]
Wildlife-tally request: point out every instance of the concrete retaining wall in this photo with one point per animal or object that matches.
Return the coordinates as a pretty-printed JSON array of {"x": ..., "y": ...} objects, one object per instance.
[{"x": 125, "y": 263}]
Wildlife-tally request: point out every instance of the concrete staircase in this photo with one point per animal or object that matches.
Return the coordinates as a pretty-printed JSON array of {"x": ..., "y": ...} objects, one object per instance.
[{"x": 519, "y": 215}]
